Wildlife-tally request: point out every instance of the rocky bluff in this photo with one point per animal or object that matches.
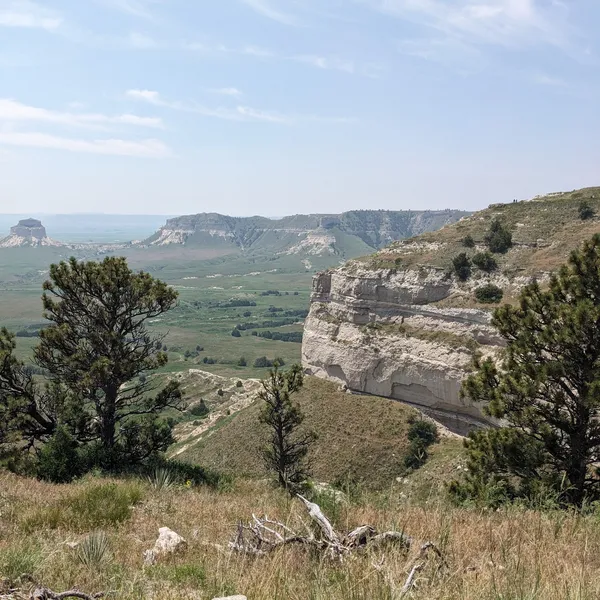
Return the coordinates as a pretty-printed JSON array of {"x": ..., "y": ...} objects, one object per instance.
[{"x": 400, "y": 324}]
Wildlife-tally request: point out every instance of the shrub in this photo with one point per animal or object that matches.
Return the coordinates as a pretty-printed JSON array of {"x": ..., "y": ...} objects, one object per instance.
[
  {"x": 498, "y": 239},
  {"x": 489, "y": 294},
  {"x": 59, "y": 459},
  {"x": 586, "y": 211},
  {"x": 421, "y": 435},
  {"x": 93, "y": 550},
  {"x": 200, "y": 409},
  {"x": 161, "y": 478},
  {"x": 468, "y": 241},
  {"x": 485, "y": 261},
  {"x": 242, "y": 362},
  {"x": 236, "y": 333},
  {"x": 461, "y": 265},
  {"x": 239, "y": 384},
  {"x": 247, "y": 313},
  {"x": 199, "y": 349},
  {"x": 261, "y": 362},
  {"x": 220, "y": 392}
]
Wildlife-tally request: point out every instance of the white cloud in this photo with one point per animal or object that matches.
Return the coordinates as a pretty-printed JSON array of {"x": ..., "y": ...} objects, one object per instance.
[
  {"x": 13, "y": 111},
  {"x": 257, "y": 51},
  {"x": 265, "y": 8},
  {"x": 28, "y": 14},
  {"x": 229, "y": 91},
  {"x": 509, "y": 23},
  {"x": 141, "y": 41},
  {"x": 239, "y": 113},
  {"x": 323, "y": 62},
  {"x": 117, "y": 147},
  {"x": 542, "y": 79},
  {"x": 137, "y": 8}
]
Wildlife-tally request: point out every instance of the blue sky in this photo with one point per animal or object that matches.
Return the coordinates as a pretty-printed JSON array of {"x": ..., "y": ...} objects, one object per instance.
[{"x": 291, "y": 106}]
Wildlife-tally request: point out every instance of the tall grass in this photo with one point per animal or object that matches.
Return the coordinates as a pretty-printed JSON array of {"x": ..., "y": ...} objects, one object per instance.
[{"x": 510, "y": 554}]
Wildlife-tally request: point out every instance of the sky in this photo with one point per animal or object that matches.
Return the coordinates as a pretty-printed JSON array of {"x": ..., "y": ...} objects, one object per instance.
[{"x": 279, "y": 107}]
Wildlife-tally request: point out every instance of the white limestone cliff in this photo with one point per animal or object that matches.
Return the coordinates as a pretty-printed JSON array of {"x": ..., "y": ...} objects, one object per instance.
[{"x": 377, "y": 332}]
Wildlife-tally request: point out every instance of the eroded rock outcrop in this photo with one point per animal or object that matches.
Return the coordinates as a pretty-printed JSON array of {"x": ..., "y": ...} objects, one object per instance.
[
  {"x": 27, "y": 232},
  {"x": 376, "y": 332}
]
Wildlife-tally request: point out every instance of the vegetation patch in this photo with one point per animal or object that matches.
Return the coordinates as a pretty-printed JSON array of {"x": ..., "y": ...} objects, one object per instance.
[
  {"x": 489, "y": 294},
  {"x": 88, "y": 507}
]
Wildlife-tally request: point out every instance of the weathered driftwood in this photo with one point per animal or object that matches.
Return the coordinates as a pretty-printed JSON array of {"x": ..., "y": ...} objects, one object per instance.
[
  {"x": 264, "y": 535},
  {"x": 46, "y": 594}
]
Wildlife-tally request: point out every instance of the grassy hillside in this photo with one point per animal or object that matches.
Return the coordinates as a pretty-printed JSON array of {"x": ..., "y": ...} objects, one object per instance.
[
  {"x": 509, "y": 554},
  {"x": 361, "y": 438},
  {"x": 545, "y": 230}
]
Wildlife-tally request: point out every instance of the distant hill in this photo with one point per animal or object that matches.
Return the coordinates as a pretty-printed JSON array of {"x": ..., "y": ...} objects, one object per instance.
[
  {"x": 27, "y": 232},
  {"x": 344, "y": 235}
]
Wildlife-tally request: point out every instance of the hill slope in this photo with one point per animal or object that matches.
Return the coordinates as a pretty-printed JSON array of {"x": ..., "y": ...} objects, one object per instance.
[
  {"x": 345, "y": 235},
  {"x": 399, "y": 324},
  {"x": 360, "y": 438}
]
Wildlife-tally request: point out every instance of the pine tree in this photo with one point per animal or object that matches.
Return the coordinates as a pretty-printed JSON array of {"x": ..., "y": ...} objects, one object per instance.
[
  {"x": 96, "y": 347},
  {"x": 286, "y": 452},
  {"x": 547, "y": 390},
  {"x": 498, "y": 238}
]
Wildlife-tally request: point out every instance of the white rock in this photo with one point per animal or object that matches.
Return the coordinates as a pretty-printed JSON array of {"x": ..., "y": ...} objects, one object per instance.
[{"x": 168, "y": 542}]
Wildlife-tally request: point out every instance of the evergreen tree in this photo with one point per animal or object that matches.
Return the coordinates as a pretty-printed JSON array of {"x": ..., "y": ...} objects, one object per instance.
[
  {"x": 286, "y": 452},
  {"x": 485, "y": 261},
  {"x": 26, "y": 416},
  {"x": 498, "y": 238},
  {"x": 94, "y": 350},
  {"x": 547, "y": 390},
  {"x": 586, "y": 211},
  {"x": 461, "y": 265}
]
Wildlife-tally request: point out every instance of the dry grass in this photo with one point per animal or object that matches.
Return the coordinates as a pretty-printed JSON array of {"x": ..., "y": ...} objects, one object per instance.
[
  {"x": 491, "y": 555},
  {"x": 545, "y": 231}
]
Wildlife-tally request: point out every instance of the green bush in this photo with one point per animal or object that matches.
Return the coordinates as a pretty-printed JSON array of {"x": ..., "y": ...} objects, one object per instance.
[
  {"x": 461, "y": 265},
  {"x": 468, "y": 241},
  {"x": 489, "y": 294},
  {"x": 586, "y": 211},
  {"x": 59, "y": 460},
  {"x": 498, "y": 238},
  {"x": 421, "y": 435},
  {"x": 485, "y": 261},
  {"x": 242, "y": 362},
  {"x": 239, "y": 384},
  {"x": 200, "y": 409},
  {"x": 236, "y": 333}
]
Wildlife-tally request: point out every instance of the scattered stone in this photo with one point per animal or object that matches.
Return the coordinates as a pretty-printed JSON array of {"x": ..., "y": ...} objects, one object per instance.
[{"x": 168, "y": 542}]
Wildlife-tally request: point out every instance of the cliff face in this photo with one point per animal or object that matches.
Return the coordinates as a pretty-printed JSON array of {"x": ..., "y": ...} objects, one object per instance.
[
  {"x": 399, "y": 324},
  {"x": 375, "y": 332},
  {"x": 302, "y": 234}
]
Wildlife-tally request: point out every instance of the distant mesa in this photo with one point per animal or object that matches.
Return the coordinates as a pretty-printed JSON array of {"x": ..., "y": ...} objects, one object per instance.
[{"x": 27, "y": 232}]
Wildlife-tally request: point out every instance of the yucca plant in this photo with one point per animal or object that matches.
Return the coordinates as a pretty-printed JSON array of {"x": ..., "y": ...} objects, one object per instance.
[
  {"x": 94, "y": 549},
  {"x": 161, "y": 479}
]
